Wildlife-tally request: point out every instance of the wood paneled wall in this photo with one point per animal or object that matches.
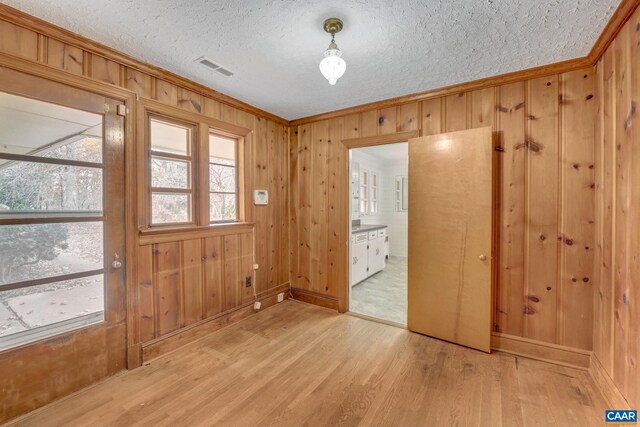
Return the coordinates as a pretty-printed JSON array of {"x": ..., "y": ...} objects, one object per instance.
[
  {"x": 616, "y": 332},
  {"x": 185, "y": 280},
  {"x": 545, "y": 197}
]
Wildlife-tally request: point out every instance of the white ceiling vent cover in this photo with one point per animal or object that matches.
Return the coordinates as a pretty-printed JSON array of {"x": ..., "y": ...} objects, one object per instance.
[{"x": 212, "y": 66}]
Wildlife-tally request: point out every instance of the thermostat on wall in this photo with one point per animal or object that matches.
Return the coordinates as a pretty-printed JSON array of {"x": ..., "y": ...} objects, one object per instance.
[{"x": 260, "y": 197}]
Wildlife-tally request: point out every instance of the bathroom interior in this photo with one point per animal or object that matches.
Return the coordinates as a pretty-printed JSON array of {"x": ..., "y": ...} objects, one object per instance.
[{"x": 379, "y": 219}]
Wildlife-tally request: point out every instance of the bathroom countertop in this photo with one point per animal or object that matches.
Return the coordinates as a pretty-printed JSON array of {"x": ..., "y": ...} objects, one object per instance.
[{"x": 366, "y": 227}]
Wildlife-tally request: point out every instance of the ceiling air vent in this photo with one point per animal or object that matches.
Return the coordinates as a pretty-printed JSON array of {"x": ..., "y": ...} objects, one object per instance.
[{"x": 212, "y": 66}]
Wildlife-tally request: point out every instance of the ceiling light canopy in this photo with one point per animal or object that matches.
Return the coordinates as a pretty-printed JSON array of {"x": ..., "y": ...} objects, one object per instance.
[{"x": 332, "y": 65}]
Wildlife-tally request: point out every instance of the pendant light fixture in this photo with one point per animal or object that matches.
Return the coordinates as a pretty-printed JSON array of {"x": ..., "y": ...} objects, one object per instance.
[{"x": 332, "y": 65}]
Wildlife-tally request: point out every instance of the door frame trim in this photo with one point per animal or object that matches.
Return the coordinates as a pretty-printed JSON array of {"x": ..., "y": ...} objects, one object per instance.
[
  {"x": 133, "y": 348},
  {"x": 344, "y": 291}
]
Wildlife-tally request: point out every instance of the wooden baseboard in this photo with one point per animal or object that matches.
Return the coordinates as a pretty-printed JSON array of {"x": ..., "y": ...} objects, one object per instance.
[
  {"x": 538, "y": 350},
  {"x": 607, "y": 387},
  {"x": 314, "y": 298},
  {"x": 170, "y": 342}
]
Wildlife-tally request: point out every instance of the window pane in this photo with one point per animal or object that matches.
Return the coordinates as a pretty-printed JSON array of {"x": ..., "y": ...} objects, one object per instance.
[
  {"x": 169, "y": 173},
  {"x": 28, "y": 186},
  {"x": 36, "y": 312},
  {"x": 222, "y": 150},
  {"x": 31, "y": 127},
  {"x": 170, "y": 208},
  {"x": 37, "y": 251},
  {"x": 222, "y": 179},
  {"x": 169, "y": 137},
  {"x": 222, "y": 207},
  {"x": 85, "y": 149},
  {"x": 364, "y": 178}
]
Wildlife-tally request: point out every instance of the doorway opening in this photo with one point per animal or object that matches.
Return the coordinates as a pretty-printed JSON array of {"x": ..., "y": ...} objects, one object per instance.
[{"x": 379, "y": 232}]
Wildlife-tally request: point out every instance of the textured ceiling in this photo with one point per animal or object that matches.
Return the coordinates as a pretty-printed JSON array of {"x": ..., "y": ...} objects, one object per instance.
[{"x": 392, "y": 48}]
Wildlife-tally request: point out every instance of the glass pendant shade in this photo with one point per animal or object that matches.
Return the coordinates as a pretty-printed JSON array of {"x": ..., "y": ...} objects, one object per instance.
[{"x": 332, "y": 65}]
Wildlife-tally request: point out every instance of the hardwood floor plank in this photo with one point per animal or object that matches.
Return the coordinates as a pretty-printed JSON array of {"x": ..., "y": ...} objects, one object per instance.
[{"x": 295, "y": 364}]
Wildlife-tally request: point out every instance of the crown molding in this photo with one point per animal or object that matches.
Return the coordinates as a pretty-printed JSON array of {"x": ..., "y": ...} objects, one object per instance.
[{"x": 622, "y": 14}]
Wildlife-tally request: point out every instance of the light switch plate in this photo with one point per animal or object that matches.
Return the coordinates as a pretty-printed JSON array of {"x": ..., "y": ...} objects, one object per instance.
[{"x": 260, "y": 197}]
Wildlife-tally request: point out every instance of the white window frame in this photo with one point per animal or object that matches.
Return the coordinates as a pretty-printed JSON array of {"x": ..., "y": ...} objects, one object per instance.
[
  {"x": 374, "y": 189},
  {"x": 364, "y": 185}
]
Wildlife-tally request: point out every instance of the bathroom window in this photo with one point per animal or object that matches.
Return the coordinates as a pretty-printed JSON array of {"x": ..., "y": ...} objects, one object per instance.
[
  {"x": 373, "y": 193},
  {"x": 364, "y": 191}
]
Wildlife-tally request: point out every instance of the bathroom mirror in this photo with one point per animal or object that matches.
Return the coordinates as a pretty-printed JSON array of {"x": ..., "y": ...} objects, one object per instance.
[{"x": 402, "y": 193}]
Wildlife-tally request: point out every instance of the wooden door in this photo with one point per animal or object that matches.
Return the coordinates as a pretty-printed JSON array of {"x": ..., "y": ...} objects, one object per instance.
[
  {"x": 62, "y": 240},
  {"x": 450, "y": 224}
]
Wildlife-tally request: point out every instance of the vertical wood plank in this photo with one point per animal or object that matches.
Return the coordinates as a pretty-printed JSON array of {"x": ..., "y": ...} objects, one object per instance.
[
  {"x": 575, "y": 310},
  {"x": 608, "y": 175},
  {"x": 483, "y": 108},
  {"x": 456, "y": 112},
  {"x": 369, "y": 123},
  {"x": 295, "y": 190},
  {"x": 105, "y": 70},
  {"x": 305, "y": 174},
  {"x": 408, "y": 117},
  {"x": 18, "y": 41},
  {"x": 191, "y": 281},
  {"x": 213, "y": 108},
  {"x": 264, "y": 136},
  {"x": 274, "y": 207},
  {"x": 138, "y": 82},
  {"x": 351, "y": 126},
  {"x": 387, "y": 120},
  {"x": 190, "y": 101},
  {"x": 542, "y": 205},
  {"x": 232, "y": 282},
  {"x": 338, "y": 211},
  {"x": 510, "y": 125},
  {"x": 283, "y": 216},
  {"x": 166, "y": 92},
  {"x": 144, "y": 277},
  {"x": 167, "y": 290},
  {"x": 633, "y": 296},
  {"x": 213, "y": 275},
  {"x": 432, "y": 115},
  {"x": 319, "y": 202},
  {"x": 65, "y": 57},
  {"x": 246, "y": 267},
  {"x": 623, "y": 217},
  {"x": 228, "y": 113}
]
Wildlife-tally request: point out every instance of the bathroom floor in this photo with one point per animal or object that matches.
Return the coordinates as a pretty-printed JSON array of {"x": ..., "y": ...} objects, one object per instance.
[{"x": 383, "y": 295}]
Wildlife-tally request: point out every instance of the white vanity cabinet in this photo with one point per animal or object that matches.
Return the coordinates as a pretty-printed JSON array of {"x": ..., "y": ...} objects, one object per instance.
[
  {"x": 359, "y": 257},
  {"x": 376, "y": 259},
  {"x": 368, "y": 255}
]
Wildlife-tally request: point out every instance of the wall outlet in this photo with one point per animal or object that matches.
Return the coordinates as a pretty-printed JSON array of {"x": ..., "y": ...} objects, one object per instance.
[
  {"x": 247, "y": 282},
  {"x": 281, "y": 297},
  {"x": 257, "y": 305},
  {"x": 256, "y": 266}
]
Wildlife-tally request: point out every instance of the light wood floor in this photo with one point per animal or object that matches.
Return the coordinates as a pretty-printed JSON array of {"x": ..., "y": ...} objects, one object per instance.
[{"x": 296, "y": 364}]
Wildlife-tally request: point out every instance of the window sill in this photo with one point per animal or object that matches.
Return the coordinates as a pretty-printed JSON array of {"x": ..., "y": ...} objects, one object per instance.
[{"x": 173, "y": 234}]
